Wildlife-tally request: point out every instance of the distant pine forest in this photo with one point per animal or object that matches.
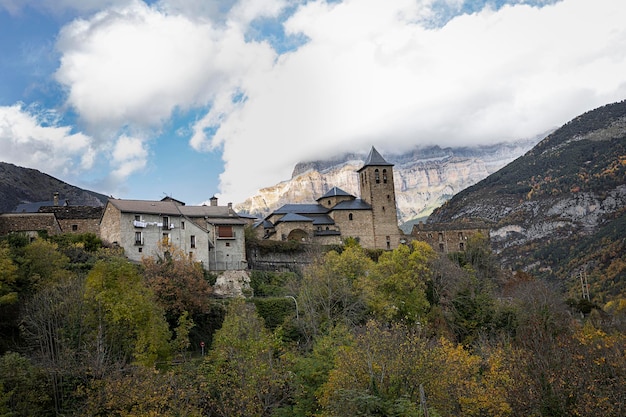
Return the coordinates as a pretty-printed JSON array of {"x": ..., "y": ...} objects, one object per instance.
[{"x": 408, "y": 332}]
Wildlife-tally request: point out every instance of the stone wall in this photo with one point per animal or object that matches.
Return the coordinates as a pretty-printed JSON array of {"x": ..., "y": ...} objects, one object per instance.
[
  {"x": 29, "y": 222},
  {"x": 447, "y": 237}
]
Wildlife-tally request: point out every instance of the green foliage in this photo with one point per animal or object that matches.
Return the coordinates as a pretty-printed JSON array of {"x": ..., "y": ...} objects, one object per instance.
[
  {"x": 274, "y": 310},
  {"x": 23, "y": 390},
  {"x": 268, "y": 283},
  {"x": 125, "y": 316},
  {"x": 245, "y": 373},
  {"x": 8, "y": 277},
  {"x": 396, "y": 287}
]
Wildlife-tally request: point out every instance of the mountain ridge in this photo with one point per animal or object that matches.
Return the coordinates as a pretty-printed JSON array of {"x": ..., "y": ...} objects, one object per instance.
[
  {"x": 19, "y": 185},
  {"x": 559, "y": 209},
  {"x": 424, "y": 177}
]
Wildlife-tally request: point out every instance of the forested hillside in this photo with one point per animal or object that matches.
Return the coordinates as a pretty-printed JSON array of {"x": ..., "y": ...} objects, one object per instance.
[
  {"x": 86, "y": 333},
  {"x": 559, "y": 210}
]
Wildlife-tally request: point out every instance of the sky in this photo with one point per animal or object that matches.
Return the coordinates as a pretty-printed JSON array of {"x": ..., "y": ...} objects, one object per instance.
[{"x": 196, "y": 98}]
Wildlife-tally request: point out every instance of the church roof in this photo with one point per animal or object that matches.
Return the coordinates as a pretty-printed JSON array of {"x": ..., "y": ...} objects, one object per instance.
[
  {"x": 301, "y": 209},
  {"x": 335, "y": 192},
  {"x": 375, "y": 159},
  {"x": 294, "y": 217},
  {"x": 357, "y": 204}
]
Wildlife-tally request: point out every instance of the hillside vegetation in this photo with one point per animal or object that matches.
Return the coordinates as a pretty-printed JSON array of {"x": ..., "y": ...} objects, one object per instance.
[
  {"x": 559, "y": 209},
  {"x": 85, "y": 332}
]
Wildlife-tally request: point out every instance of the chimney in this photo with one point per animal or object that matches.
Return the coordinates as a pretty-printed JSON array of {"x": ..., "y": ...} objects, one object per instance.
[
  {"x": 56, "y": 198},
  {"x": 213, "y": 201},
  {"x": 230, "y": 206}
]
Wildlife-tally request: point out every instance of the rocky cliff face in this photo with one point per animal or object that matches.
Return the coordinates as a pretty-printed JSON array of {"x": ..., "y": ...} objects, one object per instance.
[
  {"x": 424, "y": 178},
  {"x": 560, "y": 208}
]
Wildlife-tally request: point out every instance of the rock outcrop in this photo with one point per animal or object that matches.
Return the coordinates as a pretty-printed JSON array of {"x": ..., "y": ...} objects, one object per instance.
[{"x": 424, "y": 178}]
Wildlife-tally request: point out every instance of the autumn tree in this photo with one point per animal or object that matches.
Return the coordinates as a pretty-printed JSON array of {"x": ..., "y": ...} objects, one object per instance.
[
  {"x": 396, "y": 288},
  {"x": 126, "y": 322},
  {"x": 246, "y": 372},
  {"x": 329, "y": 293}
]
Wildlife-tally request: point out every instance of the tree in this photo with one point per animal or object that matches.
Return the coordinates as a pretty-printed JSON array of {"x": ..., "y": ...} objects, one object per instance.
[
  {"x": 329, "y": 293},
  {"x": 43, "y": 263},
  {"x": 246, "y": 370},
  {"x": 178, "y": 283},
  {"x": 126, "y": 321},
  {"x": 8, "y": 276},
  {"x": 396, "y": 290}
]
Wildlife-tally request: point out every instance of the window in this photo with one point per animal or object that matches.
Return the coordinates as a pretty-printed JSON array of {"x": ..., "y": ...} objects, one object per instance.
[
  {"x": 140, "y": 249},
  {"x": 138, "y": 239},
  {"x": 461, "y": 246},
  {"x": 182, "y": 225},
  {"x": 227, "y": 244},
  {"x": 441, "y": 247},
  {"x": 460, "y": 235},
  {"x": 350, "y": 216},
  {"x": 137, "y": 218},
  {"x": 225, "y": 232},
  {"x": 166, "y": 222},
  {"x": 384, "y": 176},
  {"x": 377, "y": 176},
  {"x": 74, "y": 227},
  {"x": 329, "y": 202},
  {"x": 193, "y": 241},
  {"x": 441, "y": 237}
]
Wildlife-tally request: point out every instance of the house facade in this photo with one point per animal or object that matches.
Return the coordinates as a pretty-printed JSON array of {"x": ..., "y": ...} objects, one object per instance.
[
  {"x": 448, "y": 237},
  {"x": 212, "y": 235},
  {"x": 371, "y": 219}
]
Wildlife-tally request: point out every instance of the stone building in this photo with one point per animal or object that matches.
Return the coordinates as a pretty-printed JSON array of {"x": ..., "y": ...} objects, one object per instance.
[
  {"x": 448, "y": 237},
  {"x": 213, "y": 235},
  {"x": 30, "y": 224},
  {"x": 372, "y": 218},
  {"x": 76, "y": 219},
  {"x": 52, "y": 217}
]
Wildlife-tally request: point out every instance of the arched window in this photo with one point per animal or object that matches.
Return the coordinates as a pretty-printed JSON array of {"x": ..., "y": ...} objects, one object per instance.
[
  {"x": 377, "y": 176},
  {"x": 384, "y": 176},
  {"x": 350, "y": 216}
]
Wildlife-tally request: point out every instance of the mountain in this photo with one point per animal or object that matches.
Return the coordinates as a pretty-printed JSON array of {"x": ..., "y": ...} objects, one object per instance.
[
  {"x": 559, "y": 210},
  {"x": 424, "y": 177},
  {"x": 20, "y": 185}
]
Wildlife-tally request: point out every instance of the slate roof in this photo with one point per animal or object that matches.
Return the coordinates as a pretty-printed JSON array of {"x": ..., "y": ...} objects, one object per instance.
[
  {"x": 336, "y": 192},
  {"x": 375, "y": 159},
  {"x": 301, "y": 209},
  {"x": 146, "y": 206},
  {"x": 323, "y": 220},
  {"x": 34, "y": 207},
  {"x": 214, "y": 214},
  {"x": 357, "y": 204},
  {"x": 294, "y": 217}
]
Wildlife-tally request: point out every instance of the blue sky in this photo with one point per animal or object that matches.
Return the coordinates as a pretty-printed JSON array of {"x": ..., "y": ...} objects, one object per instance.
[{"x": 195, "y": 98}]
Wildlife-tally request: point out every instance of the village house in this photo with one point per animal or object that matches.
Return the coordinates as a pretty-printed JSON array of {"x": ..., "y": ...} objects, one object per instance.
[
  {"x": 371, "y": 219},
  {"x": 448, "y": 237},
  {"x": 51, "y": 217},
  {"x": 212, "y": 235}
]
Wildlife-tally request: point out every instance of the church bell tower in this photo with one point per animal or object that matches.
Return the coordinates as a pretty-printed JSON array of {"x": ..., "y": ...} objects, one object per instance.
[{"x": 377, "y": 190}]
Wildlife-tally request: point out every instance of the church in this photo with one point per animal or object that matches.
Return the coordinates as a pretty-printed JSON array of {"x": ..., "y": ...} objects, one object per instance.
[{"x": 371, "y": 218}]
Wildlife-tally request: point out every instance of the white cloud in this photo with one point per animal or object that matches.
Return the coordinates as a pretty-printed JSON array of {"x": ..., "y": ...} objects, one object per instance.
[
  {"x": 137, "y": 65},
  {"x": 129, "y": 156},
  {"x": 32, "y": 138},
  {"x": 371, "y": 75}
]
